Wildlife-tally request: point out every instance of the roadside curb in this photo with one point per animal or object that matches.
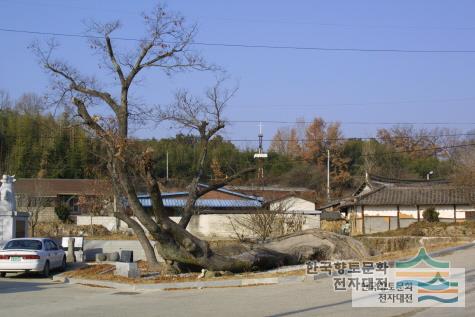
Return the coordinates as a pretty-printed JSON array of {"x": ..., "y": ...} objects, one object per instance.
[{"x": 185, "y": 285}]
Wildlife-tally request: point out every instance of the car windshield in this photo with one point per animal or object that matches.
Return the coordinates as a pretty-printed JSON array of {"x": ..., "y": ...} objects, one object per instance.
[{"x": 23, "y": 245}]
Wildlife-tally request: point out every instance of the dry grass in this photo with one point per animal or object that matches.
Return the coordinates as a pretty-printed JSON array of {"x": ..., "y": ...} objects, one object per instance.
[
  {"x": 94, "y": 232},
  {"x": 432, "y": 229},
  {"x": 104, "y": 272},
  {"x": 332, "y": 225},
  {"x": 391, "y": 256}
]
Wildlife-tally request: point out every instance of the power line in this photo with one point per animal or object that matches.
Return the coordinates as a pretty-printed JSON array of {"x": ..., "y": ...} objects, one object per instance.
[
  {"x": 257, "y": 46},
  {"x": 355, "y": 122}
]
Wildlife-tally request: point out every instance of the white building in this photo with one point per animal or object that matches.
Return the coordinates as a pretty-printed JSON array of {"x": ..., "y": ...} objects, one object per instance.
[
  {"x": 297, "y": 205},
  {"x": 382, "y": 204}
]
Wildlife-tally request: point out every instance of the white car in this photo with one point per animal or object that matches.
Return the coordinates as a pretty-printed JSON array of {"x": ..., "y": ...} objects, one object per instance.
[{"x": 31, "y": 255}]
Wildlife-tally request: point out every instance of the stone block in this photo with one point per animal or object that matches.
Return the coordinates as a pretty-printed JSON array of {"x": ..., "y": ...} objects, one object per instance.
[
  {"x": 79, "y": 256},
  {"x": 126, "y": 256},
  {"x": 101, "y": 257},
  {"x": 114, "y": 256},
  {"x": 130, "y": 270}
]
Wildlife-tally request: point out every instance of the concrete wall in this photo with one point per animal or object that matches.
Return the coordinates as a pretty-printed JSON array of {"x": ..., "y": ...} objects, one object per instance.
[
  {"x": 203, "y": 226},
  {"x": 111, "y": 223},
  {"x": 445, "y": 211},
  {"x": 93, "y": 247}
]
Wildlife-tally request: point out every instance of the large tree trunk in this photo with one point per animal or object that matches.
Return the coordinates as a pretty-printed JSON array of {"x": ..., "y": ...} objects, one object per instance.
[
  {"x": 287, "y": 250},
  {"x": 143, "y": 239}
]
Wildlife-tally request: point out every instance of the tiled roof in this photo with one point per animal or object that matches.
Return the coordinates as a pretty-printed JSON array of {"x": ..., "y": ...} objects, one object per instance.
[
  {"x": 204, "y": 203},
  {"x": 386, "y": 191},
  {"x": 234, "y": 193},
  {"x": 51, "y": 187}
]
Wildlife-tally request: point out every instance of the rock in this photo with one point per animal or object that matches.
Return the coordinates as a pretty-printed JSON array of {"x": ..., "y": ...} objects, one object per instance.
[
  {"x": 101, "y": 257},
  {"x": 209, "y": 274},
  {"x": 114, "y": 256},
  {"x": 203, "y": 273},
  {"x": 70, "y": 256},
  {"x": 130, "y": 270},
  {"x": 319, "y": 245}
]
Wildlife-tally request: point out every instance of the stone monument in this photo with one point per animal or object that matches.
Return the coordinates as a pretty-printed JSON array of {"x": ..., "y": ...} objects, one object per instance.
[{"x": 13, "y": 224}]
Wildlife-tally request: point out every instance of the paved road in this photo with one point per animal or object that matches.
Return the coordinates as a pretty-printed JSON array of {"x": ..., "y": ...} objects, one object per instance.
[{"x": 26, "y": 296}]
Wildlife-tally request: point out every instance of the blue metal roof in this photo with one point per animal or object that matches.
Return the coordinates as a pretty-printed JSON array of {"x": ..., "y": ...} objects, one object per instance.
[
  {"x": 204, "y": 203},
  {"x": 171, "y": 200}
]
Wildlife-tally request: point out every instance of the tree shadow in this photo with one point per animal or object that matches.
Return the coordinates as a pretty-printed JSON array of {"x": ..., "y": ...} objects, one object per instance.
[
  {"x": 9, "y": 287},
  {"x": 16, "y": 283}
]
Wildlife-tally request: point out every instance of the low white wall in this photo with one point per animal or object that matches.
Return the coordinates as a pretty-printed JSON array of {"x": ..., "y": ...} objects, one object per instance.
[
  {"x": 203, "y": 226},
  {"x": 410, "y": 212},
  {"x": 111, "y": 223}
]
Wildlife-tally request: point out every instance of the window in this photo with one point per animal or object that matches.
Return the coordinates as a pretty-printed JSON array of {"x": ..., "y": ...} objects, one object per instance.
[
  {"x": 54, "y": 245},
  {"x": 51, "y": 246},
  {"x": 71, "y": 202},
  {"x": 23, "y": 245}
]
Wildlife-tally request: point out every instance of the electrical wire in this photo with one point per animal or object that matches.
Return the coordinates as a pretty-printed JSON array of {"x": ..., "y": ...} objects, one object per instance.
[{"x": 258, "y": 46}]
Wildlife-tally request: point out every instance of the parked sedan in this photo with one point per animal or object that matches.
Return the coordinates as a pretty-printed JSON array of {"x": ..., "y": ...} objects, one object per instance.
[{"x": 31, "y": 255}]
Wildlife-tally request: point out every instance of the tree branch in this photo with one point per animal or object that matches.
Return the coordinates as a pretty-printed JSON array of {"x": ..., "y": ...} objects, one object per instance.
[
  {"x": 194, "y": 196},
  {"x": 110, "y": 52}
]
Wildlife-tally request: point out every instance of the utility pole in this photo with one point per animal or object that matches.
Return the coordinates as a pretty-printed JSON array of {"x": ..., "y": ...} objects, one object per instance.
[
  {"x": 167, "y": 165},
  {"x": 328, "y": 175},
  {"x": 260, "y": 156}
]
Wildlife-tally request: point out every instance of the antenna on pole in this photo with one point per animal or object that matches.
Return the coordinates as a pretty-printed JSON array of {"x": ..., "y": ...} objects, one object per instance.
[{"x": 260, "y": 155}]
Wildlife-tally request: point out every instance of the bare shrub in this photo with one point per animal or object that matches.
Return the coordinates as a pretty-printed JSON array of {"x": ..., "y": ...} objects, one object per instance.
[{"x": 263, "y": 224}]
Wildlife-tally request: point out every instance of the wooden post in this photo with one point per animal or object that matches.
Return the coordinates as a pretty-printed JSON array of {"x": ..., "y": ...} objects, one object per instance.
[
  {"x": 362, "y": 220},
  {"x": 398, "y": 221},
  {"x": 455, "y": 213},
  {"x": 418, "y": 213}
]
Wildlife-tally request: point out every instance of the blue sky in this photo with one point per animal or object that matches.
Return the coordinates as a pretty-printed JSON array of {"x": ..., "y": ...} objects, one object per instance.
[{"x": 283, "y": 85}]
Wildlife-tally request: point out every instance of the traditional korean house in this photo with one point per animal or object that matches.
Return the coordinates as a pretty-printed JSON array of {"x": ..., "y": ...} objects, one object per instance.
[{"x": 382, "y": 204}]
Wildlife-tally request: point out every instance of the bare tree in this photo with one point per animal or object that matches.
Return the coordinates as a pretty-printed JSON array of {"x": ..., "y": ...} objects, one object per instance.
[
  {"x": 5, "y": 101},
  {"x": 30, "y": 103},
  {"x": 166, "y": 48},
  {"x": 34, "y": 203},
  {"x": 94, "y": 204}
]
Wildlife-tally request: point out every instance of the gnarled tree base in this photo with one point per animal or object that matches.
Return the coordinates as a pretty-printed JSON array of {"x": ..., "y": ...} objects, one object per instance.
[{"x": 291, "y": 249}]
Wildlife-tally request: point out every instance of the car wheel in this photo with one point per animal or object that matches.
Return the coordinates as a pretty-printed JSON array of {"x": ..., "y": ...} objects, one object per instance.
[
  {"x": 45, "y": 272},
  {"x": 3, "y": 274},
  {"x": 63, "y": 265}
]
